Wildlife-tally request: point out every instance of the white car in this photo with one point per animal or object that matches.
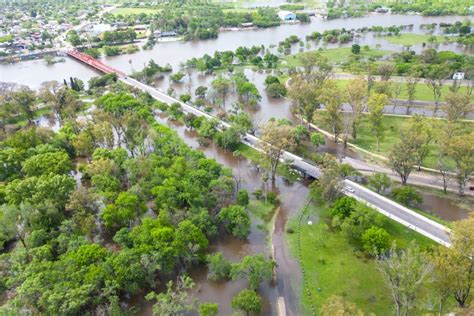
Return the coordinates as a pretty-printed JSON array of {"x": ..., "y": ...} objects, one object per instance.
[{"x": 350, "y": 189}]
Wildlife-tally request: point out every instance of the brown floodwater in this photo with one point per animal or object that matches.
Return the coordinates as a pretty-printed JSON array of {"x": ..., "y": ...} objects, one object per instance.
[
  {"x": 292, "y": 196},
  {"x": 447, "y": 209},
  {"x": 33, "y": 73}
]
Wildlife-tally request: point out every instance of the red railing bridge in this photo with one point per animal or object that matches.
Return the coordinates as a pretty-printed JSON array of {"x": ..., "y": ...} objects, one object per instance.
[{"x": 94, "y": 63}]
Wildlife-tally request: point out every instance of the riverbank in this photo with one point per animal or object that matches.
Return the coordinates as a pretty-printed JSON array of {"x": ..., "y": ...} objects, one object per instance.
[{"x": 334, "y": 266}]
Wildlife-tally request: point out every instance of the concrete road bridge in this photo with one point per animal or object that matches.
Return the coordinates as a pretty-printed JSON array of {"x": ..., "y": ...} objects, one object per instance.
[{"x": 389, "y": 208}]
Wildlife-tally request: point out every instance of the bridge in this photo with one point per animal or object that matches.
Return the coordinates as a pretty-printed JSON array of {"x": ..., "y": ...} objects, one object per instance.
[
  {"x": 94, "y": 63},
  {"x": 389, "y": 208}
]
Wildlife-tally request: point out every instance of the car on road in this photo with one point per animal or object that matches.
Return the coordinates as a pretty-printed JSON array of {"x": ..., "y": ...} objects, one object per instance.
[{"x": 350, "y": 189}]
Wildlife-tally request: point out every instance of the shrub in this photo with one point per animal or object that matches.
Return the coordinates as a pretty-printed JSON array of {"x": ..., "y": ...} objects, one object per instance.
[
  {"x": 407, "y": 195},
  {"x": 375, "y": 240},
  {"x": 243, "y": 197}
]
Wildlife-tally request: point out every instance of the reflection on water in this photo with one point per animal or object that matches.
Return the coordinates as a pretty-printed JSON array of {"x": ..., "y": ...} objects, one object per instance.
[
  {"x": 32, "y": 73},
  {"x": 444, "y": 208}
]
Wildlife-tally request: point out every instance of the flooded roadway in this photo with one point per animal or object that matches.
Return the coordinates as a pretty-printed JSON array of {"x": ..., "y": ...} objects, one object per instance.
[{"x": 292, "y": 196}]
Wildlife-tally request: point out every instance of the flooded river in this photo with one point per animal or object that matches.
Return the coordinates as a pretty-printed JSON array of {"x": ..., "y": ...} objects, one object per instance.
[
  {"x": 33, "y": 73},
  {"x": 292, "y": 195}
]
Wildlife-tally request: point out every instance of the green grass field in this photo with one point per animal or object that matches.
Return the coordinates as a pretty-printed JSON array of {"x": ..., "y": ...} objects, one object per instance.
[
  {"x": 412, "y": 39},
  {"x": 423, "y": 92},
  {"x": 130, "y": 11},
  {"x": 393, "y": 126},
  {"x": 335, "y": 55},
  {"x": 264, "y": 212},
  {"x": 333, "y": 266}
]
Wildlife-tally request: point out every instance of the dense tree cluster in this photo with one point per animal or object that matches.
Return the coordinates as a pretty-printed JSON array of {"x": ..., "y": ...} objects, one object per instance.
[
  {"x": 136, "y": 181},
  {"x": 196, "y": 20}
]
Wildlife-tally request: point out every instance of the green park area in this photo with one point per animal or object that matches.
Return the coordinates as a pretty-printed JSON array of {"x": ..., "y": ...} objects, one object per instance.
[
  {"x": 335, "y": 266},
  {"x": 131, "y": 11},
  {"x": 408, "y": 39},
  {"x": 393, "y": 126},
  {"x": 336, "y": 55},
  {"x": 423, "y": 91}
]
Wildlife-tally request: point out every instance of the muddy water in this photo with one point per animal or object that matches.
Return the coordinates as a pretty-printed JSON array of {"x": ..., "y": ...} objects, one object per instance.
[
  {"x": 292, "y": 198},
  {"x": 446, "y": 209},
  {"x": 34, "y": 72}
]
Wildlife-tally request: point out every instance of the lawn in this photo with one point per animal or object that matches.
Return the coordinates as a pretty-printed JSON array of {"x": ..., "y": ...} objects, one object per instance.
[
  {"x": 336, "y": 55},
  {"x": 411, "y": 39},
  {"x": 256, "y": 157},
  {"x": 264, "y": 212},
  {"x": 423, "y": 92},
  {"x": 393, "y": 125},
  {"x": 333, "y": 266},
  {"x": 130, "y": 11}
]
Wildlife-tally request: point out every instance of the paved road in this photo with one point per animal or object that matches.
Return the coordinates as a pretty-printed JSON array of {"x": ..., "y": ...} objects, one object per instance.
[
  {"x": 399, "y": 213},
  {"x": 387, "y": 207},
  {"x": 346, "y": 76},
  {"x": 416, "y": 178}
]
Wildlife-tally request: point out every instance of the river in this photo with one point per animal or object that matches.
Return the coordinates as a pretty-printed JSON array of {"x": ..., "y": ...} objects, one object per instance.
[
  {"x": 292, "y": 195},
  {"x": 33, "y": 73}
]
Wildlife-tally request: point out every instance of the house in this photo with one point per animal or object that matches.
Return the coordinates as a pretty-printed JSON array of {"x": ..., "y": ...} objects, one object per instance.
[
  {"x": 246, "y": 24},
  {"x": 287, "y": 16},
  {"x": 458, "y": 76},
  {"x": 165, "y": 34}
]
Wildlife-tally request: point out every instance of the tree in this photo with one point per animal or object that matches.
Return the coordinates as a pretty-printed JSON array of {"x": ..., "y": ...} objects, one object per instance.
[
  {"x": 177, "y": 77},
  {"x": 275, "y": 139},
  {"x": 243, "y": 198},
  {"x": 418, "y": 134},
  {"x": 332, "y": 98},
  {"x": 57, "y": 162},
  {"x": 276, "y": 90},
  {"x": 343, "y": 207},
  {"x": 317, "y": 139},
  {"x": 435, "y": 77},
  {"x": 61, "y": 99},
  {"x": 208, "y": 309},
  {"x": 406, "y": 273},
  {"x": 460, "y": 149},
  {"x": 375, "y": 240},
  {"x": 255, "y": 269},
  {"x": 218, "y": 267},
  {"x": 385, "y": 71},
  {"x": 24, "y": 99},
  {"x": 377, "y": 104},
  {"x": 454, "y": 266},
  {"x": 402, "y": 160},
  {"x": 200, "y": 92},
  {"x": 462, "y": 240},
  {"x": 175, "y": 300},
  {"x": 356, "y": 92},
  {"x": 458, "y": 105},
  {"x": 247, "y": 301},
  {"x": 317, "y": 68},
  {"x": 304, "y": 96},
  {"x": 236, "y": 220},
  {"x": 329, "y": 185},
  {"x": 380, "y": 181},
  {"x": 222, "y": 86},
  {"x": 355, "y": 49},
  {"x": 359, "y": 220},
  {"x": 126, "y": 208},
  {"x": 338, "y": 306},
  {"x": 54, "y": 189},
  {"x": 411, "y": 82}
]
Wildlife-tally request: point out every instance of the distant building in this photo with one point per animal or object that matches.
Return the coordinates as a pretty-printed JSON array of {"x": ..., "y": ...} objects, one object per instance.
[
  {"x": 165, "y": 34},
  {"x": 458, "y": 76},
  {"x": 287, "y": 16},
  {"x": 246, "y": 24}
]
